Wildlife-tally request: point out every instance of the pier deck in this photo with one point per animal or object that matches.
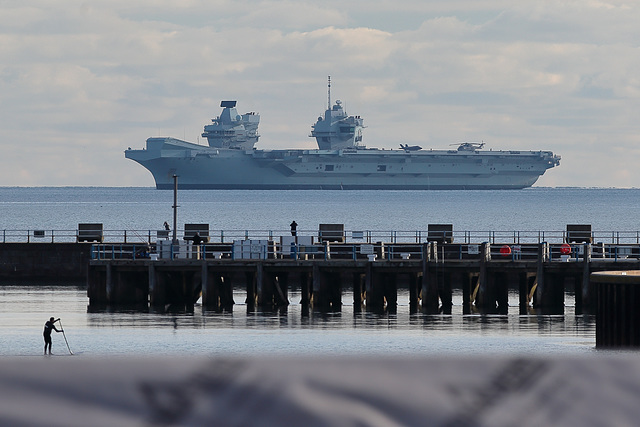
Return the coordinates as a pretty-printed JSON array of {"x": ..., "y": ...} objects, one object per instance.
[{"x": 541, "y": 273}]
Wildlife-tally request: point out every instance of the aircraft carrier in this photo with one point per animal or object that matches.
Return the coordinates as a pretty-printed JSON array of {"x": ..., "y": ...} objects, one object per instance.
[{"x": 341, "y": 161}]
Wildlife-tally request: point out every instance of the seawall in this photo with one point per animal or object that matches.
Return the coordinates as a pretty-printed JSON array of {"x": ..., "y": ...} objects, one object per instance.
[{"x": 44, "y": 261}]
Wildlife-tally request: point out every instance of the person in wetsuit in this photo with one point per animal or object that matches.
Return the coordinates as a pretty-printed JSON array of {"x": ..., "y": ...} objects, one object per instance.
[{"x": 47, "y": 333}]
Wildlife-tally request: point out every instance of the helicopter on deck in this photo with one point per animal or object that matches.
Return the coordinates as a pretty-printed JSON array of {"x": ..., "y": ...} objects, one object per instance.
[{"x": 469, "y": 146}]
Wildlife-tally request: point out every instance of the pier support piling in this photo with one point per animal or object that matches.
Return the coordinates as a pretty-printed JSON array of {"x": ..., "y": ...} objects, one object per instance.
[
  {"x": 415, "y": 292},
  {"x": 359, "y": 292},
  {"x": 469, "y": 283},
  {"x": 617, "y": 314},
  {"x": 251, "y": 288},
  {"x": 374, "y": 286}
]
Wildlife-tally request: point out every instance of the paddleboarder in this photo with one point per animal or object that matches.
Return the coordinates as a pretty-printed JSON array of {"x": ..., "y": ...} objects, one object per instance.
[{"x": 48, "y": 326}]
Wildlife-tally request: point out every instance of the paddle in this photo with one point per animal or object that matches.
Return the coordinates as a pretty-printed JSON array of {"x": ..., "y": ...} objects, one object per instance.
[{"x": 65, "y": 337}]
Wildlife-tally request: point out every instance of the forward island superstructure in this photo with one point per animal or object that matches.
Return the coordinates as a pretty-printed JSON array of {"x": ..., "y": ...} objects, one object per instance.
[{"x": 341, "y": 161}]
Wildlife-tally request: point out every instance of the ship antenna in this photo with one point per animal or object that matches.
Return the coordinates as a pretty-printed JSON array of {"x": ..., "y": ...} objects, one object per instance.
[{"x": 329, "y": 94}]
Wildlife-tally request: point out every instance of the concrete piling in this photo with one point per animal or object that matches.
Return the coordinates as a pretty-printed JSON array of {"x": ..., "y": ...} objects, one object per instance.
[
  {"x": 374, "y": 288},
  {"x": 359, "y": 291},
  {"x": 618, "y": 312},
  {"x": 252, "y": 289}
]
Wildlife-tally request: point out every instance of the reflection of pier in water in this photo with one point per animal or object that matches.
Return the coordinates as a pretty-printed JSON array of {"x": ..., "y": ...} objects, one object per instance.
[{"x": 541, "y": 273}]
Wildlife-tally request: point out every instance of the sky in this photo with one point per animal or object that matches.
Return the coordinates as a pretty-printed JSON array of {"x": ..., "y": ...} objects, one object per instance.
[{"x": 80, "y": 81}]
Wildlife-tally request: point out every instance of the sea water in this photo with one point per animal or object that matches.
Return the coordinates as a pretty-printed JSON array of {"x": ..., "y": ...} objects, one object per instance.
[
  {"x": 25, "y": 307},
  {"x": 148, "y": 208}
]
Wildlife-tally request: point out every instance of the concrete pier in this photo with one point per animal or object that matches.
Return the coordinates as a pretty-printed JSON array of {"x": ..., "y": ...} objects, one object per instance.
[
  {"x": 431, "y": 273},
  {"x": 124, "y": 274}
]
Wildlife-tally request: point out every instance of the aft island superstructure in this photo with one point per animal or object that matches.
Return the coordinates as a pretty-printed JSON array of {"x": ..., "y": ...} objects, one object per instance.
[{"x": 341, "y": 161}]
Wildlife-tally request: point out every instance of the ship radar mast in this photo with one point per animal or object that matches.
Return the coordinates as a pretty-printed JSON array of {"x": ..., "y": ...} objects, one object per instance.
[
  {"x": 329, "y": 93},
  {"x": 336, "y": 130}
]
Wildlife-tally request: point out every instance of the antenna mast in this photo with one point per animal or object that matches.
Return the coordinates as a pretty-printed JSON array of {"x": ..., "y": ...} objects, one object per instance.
[{"x": 329, "y": 94}]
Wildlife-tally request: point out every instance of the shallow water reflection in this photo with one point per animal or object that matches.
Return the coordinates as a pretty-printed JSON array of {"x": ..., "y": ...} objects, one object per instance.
[{"x": 24, "y": 310}]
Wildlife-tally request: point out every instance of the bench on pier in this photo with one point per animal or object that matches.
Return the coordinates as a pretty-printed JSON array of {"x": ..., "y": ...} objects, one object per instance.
[
  {"x": 331, "y": 233},
  {"x": 90, "y": 232},
  {"x": 190, "y": 230},
  {"x": 441, "y": 233},
  {"x": 579, "y": 233}
]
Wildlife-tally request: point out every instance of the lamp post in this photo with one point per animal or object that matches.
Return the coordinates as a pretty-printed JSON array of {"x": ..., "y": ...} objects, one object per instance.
[{"x": 175, "y": 209}]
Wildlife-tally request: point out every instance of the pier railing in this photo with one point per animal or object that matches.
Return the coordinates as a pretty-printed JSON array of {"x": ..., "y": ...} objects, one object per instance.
[
  {"x": 354, "y": 236},
  {"x": 430, "y": 251}
]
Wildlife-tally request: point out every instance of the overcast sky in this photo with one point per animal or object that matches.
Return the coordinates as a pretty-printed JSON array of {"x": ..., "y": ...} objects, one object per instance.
[{"x": 80, "y": 81}]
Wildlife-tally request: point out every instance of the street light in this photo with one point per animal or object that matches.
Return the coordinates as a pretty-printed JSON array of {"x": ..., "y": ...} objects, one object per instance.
[{"x": 175, "y": 208}]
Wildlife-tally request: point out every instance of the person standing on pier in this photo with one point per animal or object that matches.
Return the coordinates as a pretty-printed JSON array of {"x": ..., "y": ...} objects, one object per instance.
[
  {"x": 293, "y": 226},
  {"x": 48, "y": 326},
  {"x": 197, "y": 240}
]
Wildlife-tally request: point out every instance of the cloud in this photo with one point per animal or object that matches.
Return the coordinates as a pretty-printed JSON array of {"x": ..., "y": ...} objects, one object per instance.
[{"x": 82, "y": 81}]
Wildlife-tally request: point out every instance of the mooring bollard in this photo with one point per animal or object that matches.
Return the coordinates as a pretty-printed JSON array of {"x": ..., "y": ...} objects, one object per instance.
[{"x": 618, "y": 308}]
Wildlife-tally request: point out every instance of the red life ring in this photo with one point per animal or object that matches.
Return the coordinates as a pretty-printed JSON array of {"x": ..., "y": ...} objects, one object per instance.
[
  {"x": 505, "y": 250},
  {"x": 565, "y": 249}
]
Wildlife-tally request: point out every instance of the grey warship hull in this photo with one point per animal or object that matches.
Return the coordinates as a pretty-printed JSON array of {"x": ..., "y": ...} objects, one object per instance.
[
  {"x": 341, "y": 161},
  {"x": 202, "y": 167}
]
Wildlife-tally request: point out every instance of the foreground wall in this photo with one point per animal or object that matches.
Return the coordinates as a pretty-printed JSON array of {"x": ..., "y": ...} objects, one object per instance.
[{"x": 593, "y": 390}]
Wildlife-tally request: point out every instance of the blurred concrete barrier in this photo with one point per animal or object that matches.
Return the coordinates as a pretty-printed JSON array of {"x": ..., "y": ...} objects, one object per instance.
[{"x": 365, "y": 391}]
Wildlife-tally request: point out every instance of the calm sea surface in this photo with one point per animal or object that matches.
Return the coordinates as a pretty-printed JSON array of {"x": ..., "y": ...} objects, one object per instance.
[{"x": 25, "y": 308}]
